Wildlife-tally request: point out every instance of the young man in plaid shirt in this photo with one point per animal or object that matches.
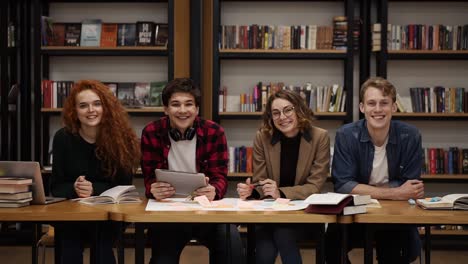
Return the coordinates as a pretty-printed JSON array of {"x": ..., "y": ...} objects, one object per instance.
[{"x": 182, "y": 141}]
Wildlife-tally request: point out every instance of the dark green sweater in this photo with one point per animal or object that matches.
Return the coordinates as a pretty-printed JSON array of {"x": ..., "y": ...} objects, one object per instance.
[{"x": 72, "y": 157}]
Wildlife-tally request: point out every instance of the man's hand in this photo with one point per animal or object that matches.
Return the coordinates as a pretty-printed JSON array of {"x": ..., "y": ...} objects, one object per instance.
[
  {"x": 244, "y": 190},
  {"x": 162, "y": 190},
  {"x": 83, "y": 188},
  {"x": 411, "y": 189},
  {"x": 209, "y": 190},
  {"x": 270, "y": 188}
]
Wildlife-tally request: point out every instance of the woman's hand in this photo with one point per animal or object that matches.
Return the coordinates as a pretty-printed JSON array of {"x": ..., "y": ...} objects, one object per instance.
[
  {"x": 244, "y": 190},
  {"x": 83, "y": 188},
  {"x": 270, "y": 188}
]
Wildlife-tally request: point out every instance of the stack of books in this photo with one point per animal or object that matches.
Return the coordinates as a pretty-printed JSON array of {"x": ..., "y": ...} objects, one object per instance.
[
  {"x": 337, "y": 203},
  {"x": 15, "y": 191}
]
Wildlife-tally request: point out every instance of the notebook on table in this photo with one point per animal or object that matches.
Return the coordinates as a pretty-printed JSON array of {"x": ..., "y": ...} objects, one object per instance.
[{"x": 29, "y": 169}]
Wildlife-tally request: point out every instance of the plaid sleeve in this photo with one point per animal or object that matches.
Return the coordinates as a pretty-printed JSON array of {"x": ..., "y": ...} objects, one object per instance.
[
  {"x": 150, "y": 156},
  {"x": 215, "y": 164}
]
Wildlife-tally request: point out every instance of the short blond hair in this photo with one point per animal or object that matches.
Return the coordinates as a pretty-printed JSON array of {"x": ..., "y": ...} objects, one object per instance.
[{"x": 379, "y": 83}]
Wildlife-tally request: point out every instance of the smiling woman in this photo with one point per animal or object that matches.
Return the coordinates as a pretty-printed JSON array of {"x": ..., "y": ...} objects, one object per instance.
[
  {"x": 291, "y": 160},
  {"x": 96, "y": 150}
]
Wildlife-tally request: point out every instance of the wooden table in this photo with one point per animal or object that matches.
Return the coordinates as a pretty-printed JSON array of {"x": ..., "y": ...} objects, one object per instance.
[
  {"x": 400, "y": 212},
  {"x": 56, "y": 212},
  {"x": 135, "y": 213}
]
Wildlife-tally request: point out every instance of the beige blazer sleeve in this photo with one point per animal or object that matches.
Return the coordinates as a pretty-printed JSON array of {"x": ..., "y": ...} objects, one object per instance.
[{"x": 312, "y": 166}]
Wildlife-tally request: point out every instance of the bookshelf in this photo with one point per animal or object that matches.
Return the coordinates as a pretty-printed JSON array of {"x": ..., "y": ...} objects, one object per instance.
[
  {"x": 241, "y": 69},
  {"x": 108, "y": 64},
  {"x": 11, "y": 54},
  {"x": 427, "y": 68}
]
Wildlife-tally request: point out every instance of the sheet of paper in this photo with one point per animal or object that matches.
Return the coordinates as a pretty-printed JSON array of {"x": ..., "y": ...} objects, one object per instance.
[{"x": 226, "y": 204}]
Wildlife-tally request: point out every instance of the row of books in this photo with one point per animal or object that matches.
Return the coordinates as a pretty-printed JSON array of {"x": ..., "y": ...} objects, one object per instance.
[
  {"x": 240, "y": 159},
  {"x": 453, "y": 160},
  {"x": 435, "y": 99},
  {"x": 423, "y": 37},
  {"x": 319, "y": 98},
  {"x": 15, "y": 192},
  {"x": 95, "y": 33},
  {"x": 130, "y": 94}
]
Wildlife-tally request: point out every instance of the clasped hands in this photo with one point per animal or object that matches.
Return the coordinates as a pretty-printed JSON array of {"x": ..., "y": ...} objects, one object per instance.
[
  {"x": 162, "y": 190},
  {"x": 268, "y": 186},
  {"x": 83, "y": 187}
]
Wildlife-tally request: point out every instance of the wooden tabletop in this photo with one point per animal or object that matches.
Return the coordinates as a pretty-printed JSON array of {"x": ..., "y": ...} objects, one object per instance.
[
  {"x": 62, "y": 211},
  {"x": 400, "y": 212},
  {"x": 136, "y": 213}
]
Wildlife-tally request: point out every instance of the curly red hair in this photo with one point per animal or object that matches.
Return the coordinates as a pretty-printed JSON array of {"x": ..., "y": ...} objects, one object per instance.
[{"x": 117, "y": 146}]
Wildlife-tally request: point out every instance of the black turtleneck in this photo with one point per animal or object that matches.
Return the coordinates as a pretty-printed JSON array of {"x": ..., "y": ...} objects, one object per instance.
[{"x": 289, "y": 158}]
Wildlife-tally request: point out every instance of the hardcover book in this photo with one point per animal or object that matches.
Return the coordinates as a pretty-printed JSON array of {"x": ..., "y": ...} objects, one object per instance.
[
  {"x": 155, "y": 95},
  {"x": 142, "y": 90},
  {"x": 126, "y": 34},
  {"x": 162, "y": 36},
  {"x": 72, "y": 34},
  {"x": 91, "y": 33},
  {"x": 109, "y": 35},
  {"x": 58, "y": 34},
  {"x": 126, "y": 93},
  {"x": 145, "y": 33}
]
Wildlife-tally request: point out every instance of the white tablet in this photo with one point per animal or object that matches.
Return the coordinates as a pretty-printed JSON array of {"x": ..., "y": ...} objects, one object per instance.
[{"x": 183, "y": 182}]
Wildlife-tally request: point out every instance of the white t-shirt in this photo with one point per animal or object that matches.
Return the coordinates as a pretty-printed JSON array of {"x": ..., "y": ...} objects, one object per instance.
[
  {"x": 379, "y": 174},
  {"x": 182, "y": 155}
]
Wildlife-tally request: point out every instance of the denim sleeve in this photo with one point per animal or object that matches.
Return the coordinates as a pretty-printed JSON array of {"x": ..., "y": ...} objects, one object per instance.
[
  {"x": 410, "y": 167},
  {"x": 344, "y": 165}
]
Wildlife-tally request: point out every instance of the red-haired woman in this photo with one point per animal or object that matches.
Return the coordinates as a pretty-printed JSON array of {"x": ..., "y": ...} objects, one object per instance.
[{"x": 97, "y": 149}]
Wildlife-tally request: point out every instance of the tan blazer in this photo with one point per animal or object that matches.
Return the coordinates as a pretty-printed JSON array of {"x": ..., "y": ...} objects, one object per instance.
[{"x": 312, "y": 167}]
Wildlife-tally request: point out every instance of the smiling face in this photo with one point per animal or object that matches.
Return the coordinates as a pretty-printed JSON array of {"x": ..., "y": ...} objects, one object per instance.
[
  {"x": 181, "y": 110},
  {"x": 284, "y": 117},
  {"x": 377, "y": 109},
  {"x": 88, "y": 109}
]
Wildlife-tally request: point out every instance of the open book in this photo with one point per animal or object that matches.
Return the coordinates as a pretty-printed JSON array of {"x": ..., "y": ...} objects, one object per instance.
[
  {"x": 118, "y": 194},
  {"x": 457, "y": 201}
]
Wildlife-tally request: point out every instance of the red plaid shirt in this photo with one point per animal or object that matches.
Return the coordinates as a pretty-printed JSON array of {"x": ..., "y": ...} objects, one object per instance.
[{"x": 211, "y": 152}]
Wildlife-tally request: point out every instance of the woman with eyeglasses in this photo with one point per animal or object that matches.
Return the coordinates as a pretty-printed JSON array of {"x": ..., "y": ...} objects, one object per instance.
[{"x": 290, "y": 160}]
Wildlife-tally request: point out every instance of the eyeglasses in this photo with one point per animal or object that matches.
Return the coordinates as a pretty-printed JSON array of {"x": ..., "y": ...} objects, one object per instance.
[{"x": 287, "y": 112}]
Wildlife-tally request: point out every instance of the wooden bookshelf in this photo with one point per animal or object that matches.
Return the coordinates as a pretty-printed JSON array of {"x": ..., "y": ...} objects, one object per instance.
[
  {"x": 445, "y": 176},
  {"x": 437, "y": 115},
  {"x": 440, "y": 232},
  {"x": 104, "y": 48},
  {"x": 431, "y": 52},
  {"x": 129, "y": 110},
  {"x": 291, "y": 51}
]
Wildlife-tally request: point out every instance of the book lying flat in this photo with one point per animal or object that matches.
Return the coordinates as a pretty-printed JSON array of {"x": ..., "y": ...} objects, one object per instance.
[
  {"x": 15, "y": 196},
  {"x": 13, "y": 188},
  {"x": 117, "y": 195},
  {"x": 457, "y": 201},
  {"x": 331, "y": 198},
  {"x": 329, "y": 208},
  {"x": 14, "y": 204},
  {"x": 15, "y": 180}
]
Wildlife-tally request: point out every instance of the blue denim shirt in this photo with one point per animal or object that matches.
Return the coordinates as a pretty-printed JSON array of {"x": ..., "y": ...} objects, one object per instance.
[{"x": 354, "y": 154}]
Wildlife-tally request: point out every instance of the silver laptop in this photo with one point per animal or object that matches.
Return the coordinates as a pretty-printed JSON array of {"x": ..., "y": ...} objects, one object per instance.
[{"x": 29, "y": 169}]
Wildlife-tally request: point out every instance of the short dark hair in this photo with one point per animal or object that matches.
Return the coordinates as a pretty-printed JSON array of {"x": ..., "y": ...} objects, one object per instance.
[
  {"x": 379, "y": 83},
  {"x": 181, "y": 85}
]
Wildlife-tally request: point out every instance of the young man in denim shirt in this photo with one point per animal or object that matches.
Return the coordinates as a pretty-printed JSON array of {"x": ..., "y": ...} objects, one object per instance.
[{"x": 380, "y": 157}]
